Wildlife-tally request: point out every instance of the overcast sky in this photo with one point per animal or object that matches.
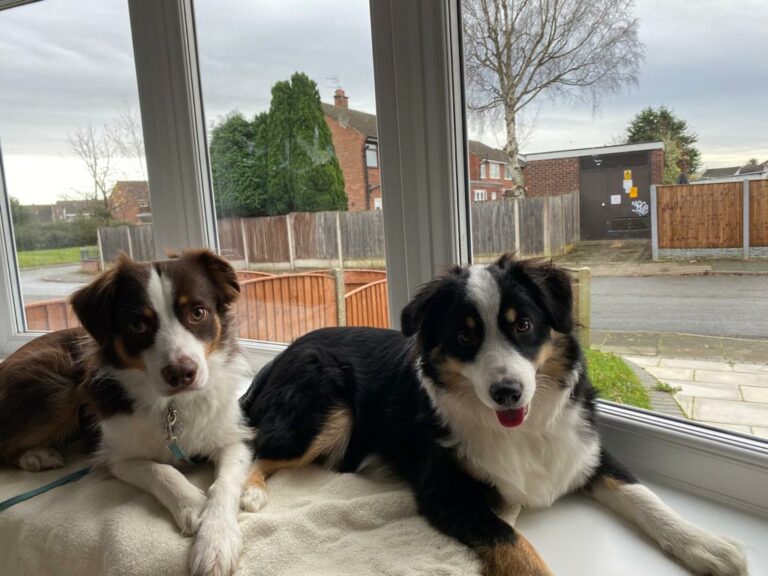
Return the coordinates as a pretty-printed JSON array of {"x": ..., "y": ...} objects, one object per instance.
[{"x": 67, "y": 63}]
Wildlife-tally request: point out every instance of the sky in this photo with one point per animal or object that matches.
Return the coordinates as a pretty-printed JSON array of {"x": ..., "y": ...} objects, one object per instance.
[{"x": 67, "y": 63}]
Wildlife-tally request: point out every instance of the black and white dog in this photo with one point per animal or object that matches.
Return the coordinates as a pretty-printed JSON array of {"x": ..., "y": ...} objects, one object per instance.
[
  {"x": 482, "y": 404},
  {"x": 156, "y": 372}
]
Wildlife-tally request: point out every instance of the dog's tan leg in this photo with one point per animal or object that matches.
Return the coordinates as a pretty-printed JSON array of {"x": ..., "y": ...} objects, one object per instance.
[{"x": 516, "y": 558}]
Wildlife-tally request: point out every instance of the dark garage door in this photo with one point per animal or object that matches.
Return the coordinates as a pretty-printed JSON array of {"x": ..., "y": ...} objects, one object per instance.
[{"x": 601, "y": 184}]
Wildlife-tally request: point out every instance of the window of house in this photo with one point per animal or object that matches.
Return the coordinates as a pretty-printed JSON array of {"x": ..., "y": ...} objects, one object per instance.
[
  {"x": 291, "y": 138},
  {"x": 493, "y": 195},
  {"x": 72, "y": 150},
  {"x": 483, "y": 170},
  {"x": 372, "y": 156},
  {"x": 481, "y": 195},
  {"x": 592, "y": 207}
]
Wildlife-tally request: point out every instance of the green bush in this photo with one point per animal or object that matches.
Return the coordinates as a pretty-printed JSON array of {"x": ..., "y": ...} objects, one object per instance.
[{"x": 35, "y": 236}]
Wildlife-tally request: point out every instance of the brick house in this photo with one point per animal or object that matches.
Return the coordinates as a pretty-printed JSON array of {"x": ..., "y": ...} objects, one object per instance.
[
  {"x": 129, "y": 202},
  {"x": 72, "y": 209},
  {"x": 489, "y": 177}
]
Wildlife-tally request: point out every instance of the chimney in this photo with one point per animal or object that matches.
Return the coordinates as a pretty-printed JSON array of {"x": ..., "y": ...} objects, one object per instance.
[{"x": 340, "y": 99}]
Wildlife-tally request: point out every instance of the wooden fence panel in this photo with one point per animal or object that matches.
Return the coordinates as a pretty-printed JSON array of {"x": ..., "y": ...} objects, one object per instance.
[
  {"x": 282, "y": 308},
  {"x": 758, "y": 213},
  {"x": 532, "y": 226},
  {"x": 315, "y": 235},
  {"x": 231, "y": 238},
  {"x": 354, "y": 279},
  {"x": 362, "y": 235},
  {"x": 554, "y": 225},
  {"x": 368, "y": 305},
  {"x": 267, "y": 239},
  {"x": 142, "y": 242},
  {"x": 700, "y": 215},
  {"x": 136, "y": 240},
  {"x": 49, "y": 315},
  {"x": 493, "y": 227}
]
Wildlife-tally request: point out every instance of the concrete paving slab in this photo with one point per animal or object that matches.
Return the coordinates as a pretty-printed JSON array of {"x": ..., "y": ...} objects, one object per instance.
[
  {"x": 706, "y": 390},
  {"x": 686, "y": 346},
  {"x": 733, "y": 427},
  {"x": 644, "y": 361},
  {"x": 671, "y": 373},
  {"x": 742, "y": 379},
  {"x": 760, "y": 431},
  {"x": 730, "y": 412},
  {"x": 755, "y": 394},
  {"x": 750, "y": 368},
  {"x": 686, "y": 404},
  {"x": 702, "y": 364}
]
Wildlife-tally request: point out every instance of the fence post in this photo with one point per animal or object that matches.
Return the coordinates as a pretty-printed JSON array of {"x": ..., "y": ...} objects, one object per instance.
[
  {"x": 338, "y": 240},
  {"x": 130, "y": 242},
  {"x": 245, "y": 244},
  {"x": 341, "y": 303},
  {"x": 745, "y": 216},
  {"x": 654, "y": 225},
  {"x": 291, "y": 246},
  {"x": 517, "y": 227},
  {"x": 584, "y": 317},
  {"x": 545, "y": 227},
  {"x": 562, "y": 224},
  {"x": 101, "y": 250}
]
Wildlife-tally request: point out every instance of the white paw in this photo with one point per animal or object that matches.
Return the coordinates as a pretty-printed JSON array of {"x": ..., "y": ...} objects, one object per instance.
[
  {"x": 216, "y": 551},
  {"x": 40, "y": 459},
  {"x": 709, "y": 555},
  {"x": 253, "y": 498},
  {"x": 189, "y": 512}
]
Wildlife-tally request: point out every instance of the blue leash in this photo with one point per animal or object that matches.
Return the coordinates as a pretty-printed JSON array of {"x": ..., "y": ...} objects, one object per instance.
[{"x": 73, "y": 477}]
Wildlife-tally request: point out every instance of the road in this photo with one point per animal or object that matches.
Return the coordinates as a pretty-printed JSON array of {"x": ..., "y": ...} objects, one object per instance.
[
  {"x": 51, "y": 282},
  {"x": 735, "y": 306}
]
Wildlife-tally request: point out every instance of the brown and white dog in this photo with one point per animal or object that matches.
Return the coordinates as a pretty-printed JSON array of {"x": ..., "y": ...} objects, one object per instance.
[{"x": 157, "y": 369}]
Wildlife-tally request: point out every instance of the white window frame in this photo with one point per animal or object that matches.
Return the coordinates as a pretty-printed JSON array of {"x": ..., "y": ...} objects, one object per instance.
[
  {"x": 422, "y": 154},
  {"x": 371, "y": 156},
  {"x": 483, "y": 169},
  {"x": 495, "y": 168},
  {"x": 507, "y": 172},
  {"x": 480, "y": 195}
]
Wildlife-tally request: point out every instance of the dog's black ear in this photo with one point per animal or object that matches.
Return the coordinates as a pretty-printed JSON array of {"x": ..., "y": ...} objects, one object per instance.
[
  {"x": 412, "y": 316},
  {"x": 94, "y": 304},
  {"x": 220, "y": 272},
  {"x": 555, "y": 292}
]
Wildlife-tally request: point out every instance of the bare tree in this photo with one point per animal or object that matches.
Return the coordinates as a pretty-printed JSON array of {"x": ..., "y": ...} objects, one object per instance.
[
  {"x": 97, "y": 151},
  {"x": 519, "y": 50},
  {"x": 127, "y": 137}
]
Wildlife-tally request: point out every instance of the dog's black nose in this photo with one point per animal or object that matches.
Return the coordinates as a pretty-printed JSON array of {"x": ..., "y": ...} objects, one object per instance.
[
  {"x": 506, "y": 392},
  {"x": 180, "y": 373}
]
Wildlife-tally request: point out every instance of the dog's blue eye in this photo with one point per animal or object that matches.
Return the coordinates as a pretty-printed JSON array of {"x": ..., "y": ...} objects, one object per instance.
[{"x": 523, "y": 325}]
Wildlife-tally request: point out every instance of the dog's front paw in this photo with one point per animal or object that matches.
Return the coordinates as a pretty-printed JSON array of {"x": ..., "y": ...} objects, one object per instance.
[
  {"x": 710, "y": 555},
  {"x": 253, "y": 498},
  {"x": 189, "y": 512},
  {"x": 40, "y": 459},
  {"x": 216, "y": 551}
]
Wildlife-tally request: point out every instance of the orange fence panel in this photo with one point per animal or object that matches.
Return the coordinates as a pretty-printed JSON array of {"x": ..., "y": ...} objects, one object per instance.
[{"x": 368, "y": 305}]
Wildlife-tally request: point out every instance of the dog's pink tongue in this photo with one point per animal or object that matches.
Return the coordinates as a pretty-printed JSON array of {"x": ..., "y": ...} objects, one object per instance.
[{"x": 511, "y": 418}]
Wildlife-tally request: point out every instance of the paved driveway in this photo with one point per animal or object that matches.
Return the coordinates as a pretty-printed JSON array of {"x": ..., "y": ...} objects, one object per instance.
[{"x": 51, "y": 282}]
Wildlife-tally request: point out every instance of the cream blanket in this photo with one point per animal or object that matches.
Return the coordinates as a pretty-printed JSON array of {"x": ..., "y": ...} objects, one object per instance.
[{"x": 317, "y": 523}]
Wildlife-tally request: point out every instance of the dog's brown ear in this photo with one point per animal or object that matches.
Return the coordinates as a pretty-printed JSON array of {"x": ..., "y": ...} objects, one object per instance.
[
  {"x": 555, "y": 292},
  {"x": 220, "y": 272},
  {"x": 426, "y": 299},
  {"x": 94, "y": 305}
]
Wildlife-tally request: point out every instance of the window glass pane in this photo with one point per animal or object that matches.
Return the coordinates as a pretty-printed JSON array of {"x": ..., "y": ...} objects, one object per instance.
[
  {"x": 293, "y": 148},
  {"x": 680, "y": 327},
  {"x": 72, "y": 146}
]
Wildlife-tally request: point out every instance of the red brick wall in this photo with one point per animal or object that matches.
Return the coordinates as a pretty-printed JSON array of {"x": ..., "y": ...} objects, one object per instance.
[
  {"x": 349, "y": 145},
  {"x": 657, "y": 166},
  {"x": 551, "y": 177}
]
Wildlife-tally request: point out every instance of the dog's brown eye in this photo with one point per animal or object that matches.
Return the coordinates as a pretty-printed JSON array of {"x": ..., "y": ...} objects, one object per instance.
[
  {"x": 138, "y": 326},
  {"x": 522, "y": 325},
  {"x": 465, "y": 338},
  {"x": 199, "y": 313}
]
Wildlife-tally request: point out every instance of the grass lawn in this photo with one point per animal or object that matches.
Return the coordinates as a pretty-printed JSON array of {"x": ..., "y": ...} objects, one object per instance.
[
  {"x": 37, "y": 258},
  {"x": 615, "y": 380}
]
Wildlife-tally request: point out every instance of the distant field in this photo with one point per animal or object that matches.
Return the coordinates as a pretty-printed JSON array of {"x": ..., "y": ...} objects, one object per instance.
[{"x": 38, "y": 258}]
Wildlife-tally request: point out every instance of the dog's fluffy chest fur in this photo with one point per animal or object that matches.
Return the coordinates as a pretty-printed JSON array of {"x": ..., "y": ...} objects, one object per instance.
[
  {"x": 207, "y": 420},
  {"x": 552, "y": 454}
]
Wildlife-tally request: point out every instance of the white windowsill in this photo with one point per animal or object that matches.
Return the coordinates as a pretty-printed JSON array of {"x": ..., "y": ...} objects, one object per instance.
[{"x": 578, "y": 537}]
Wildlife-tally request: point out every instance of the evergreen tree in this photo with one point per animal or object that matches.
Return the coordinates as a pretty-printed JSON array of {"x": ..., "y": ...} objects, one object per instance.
[
  {"x": 238, "y": 165},
  {"x": 303, "y": 172},
  {"x": 662, "y": 124}
]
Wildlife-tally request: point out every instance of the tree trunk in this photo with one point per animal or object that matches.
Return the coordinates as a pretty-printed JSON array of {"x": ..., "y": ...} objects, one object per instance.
[{"x": 512, "y": 151}]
